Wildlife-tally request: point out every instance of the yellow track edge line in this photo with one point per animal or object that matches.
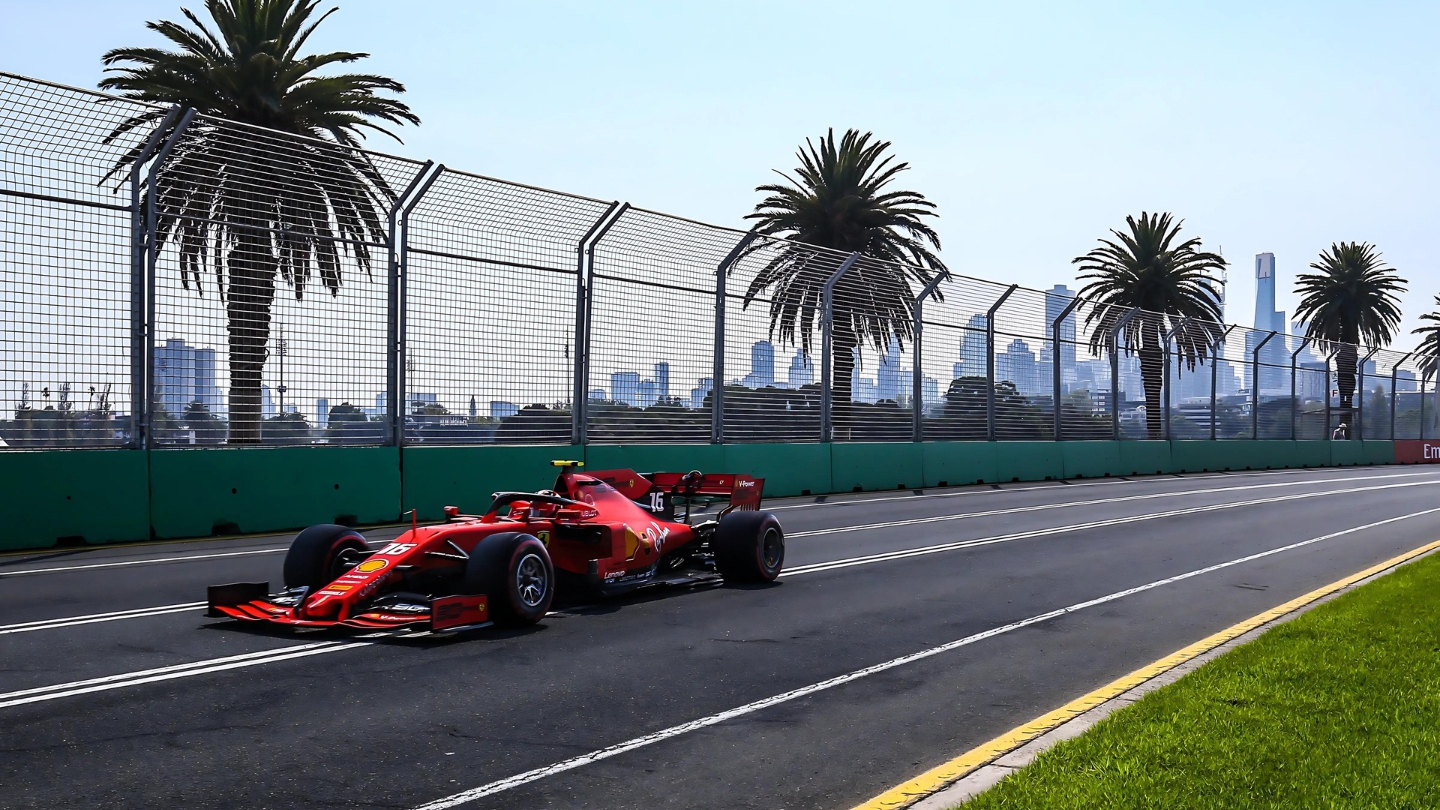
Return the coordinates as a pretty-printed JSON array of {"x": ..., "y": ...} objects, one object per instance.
[{"x": 940, "y": 777}]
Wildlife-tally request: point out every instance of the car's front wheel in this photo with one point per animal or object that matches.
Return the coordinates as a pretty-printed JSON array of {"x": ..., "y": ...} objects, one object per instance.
[
  {"x": 318, "y": 555},
  {"x": 513, "y": 570}
]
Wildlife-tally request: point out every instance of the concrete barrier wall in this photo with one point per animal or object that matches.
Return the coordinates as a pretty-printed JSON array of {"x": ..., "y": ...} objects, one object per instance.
[{"x": 71, "y": 497}]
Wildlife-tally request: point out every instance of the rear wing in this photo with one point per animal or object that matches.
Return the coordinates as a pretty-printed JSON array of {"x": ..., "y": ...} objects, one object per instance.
[{"x": 743, "y": 491}]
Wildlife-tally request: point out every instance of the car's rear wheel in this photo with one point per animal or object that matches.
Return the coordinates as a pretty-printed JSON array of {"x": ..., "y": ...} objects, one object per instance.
[
  {"x": 319, "y": 554},
  {"x": 749, "y": 547},
  {"x": 513, "y": 570}
]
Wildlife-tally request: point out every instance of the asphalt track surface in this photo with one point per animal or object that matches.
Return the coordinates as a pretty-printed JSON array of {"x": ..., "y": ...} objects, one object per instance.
[{"x": 904, "y": 632}]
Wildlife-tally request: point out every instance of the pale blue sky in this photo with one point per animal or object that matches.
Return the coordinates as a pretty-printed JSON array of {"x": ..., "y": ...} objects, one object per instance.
[{"x": 1035, "y": 127}]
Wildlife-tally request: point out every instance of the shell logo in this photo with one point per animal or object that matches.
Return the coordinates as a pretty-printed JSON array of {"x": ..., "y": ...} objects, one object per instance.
[{"x": 371, "y": 566}]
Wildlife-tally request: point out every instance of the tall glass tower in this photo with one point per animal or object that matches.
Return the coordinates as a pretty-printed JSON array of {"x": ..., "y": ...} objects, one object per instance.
[{"x": 1275, "y": 356}]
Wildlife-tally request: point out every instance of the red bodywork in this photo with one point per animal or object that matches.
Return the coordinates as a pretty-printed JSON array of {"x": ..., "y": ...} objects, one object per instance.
[{"x": 611, "y": 529}]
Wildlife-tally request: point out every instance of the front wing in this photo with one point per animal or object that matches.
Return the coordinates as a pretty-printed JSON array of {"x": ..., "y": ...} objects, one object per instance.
[{"x": 251, "y": 602}]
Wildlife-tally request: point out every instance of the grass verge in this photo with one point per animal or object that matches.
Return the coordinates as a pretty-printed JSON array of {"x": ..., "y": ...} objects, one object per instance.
[{"x": 1339, "y": 708}]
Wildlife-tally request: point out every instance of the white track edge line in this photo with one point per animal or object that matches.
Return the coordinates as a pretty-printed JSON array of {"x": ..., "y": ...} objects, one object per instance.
[
  {"x": 1070, "y": 484},
  {"x": 1043, "y": 507},
  {"x": 24, "y": 571},
  {"x": 70, "y": 621},
  {"x": 288, "y": 654}
]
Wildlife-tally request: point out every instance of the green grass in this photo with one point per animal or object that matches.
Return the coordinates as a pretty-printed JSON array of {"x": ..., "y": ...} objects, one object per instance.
[{"x": 1339, "y": 708}]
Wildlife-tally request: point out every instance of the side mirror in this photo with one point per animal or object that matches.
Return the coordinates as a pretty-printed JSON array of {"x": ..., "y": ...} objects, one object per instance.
[{"x": 451, "y": 512}]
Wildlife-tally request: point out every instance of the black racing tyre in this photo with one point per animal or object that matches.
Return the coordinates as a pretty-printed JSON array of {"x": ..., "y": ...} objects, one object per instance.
[
  {"x": 314, "y": 559},
  {"x": 514, "y": 571},
  {"x": 749, "y": 547}
]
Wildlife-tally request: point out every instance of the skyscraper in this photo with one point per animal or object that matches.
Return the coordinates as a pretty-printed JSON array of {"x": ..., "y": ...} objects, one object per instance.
[
  {"x": 972, "y": 349},
  {"x": 888, "y": 375},
  {"x": 185, "y": 374},
  {"x": 625, "y": 387},
  {"x": 662, "y": 380},
  {"x": 1056, "y": 300},
  {"x": 1274, "y": 357},
  {"x": 802, "y": 372},
  {"x": 762, "y": 364}
]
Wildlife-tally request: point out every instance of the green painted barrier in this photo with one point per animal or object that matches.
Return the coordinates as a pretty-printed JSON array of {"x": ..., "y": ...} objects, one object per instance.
[
  {"x": 788, "y": 469},
  {"x": 1146, "y": 457},
  {"x": 870, "y": 466},
  {"x": 658, "y": 457},
  {"x": 1203, "y": 456},
  {"x": 958, "y": 463},
  {"x": 1029, "y": 461},
  {"x": 70, "y": 497},
  {"x": 1086, "y": 459},
  {"x": 1312, "y": 453},
  {"x": 436, "y": 477},
  {"x": 194, "y": 493}
]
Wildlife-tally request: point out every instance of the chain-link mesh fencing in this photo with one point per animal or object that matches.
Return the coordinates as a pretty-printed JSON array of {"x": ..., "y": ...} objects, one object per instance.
[
  {"x": 66, "y": 266},
  {"x": 174, "y": 279}
]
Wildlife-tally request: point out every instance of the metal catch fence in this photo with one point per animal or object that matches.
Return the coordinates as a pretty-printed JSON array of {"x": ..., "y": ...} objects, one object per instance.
[{"x": 173, "y": 279}]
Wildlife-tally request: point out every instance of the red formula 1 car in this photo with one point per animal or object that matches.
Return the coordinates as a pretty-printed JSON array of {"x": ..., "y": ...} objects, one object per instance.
[{"x": 593, "y": 535}]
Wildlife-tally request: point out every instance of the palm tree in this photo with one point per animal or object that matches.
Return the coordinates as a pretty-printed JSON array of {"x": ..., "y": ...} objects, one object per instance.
[
  {"x": 264, "y": 210},
  {"x": 1351, "y": 299},
  {"x": 837, "y": 199},
  {"x": 1427, "y": 354},
  {"x": 1173, "y": 287}
]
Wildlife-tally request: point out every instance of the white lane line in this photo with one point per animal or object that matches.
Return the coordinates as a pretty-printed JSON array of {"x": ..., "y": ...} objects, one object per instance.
[
  {"x": 749, "y": 708},
  {"x": 128, "y": 679},
  {"x": 890, "y": 524},
  {"x": 71, "y": 621},
  {"x": 144, "y": 673},
  {"x": 24, "y": 571},
  {"x": 1058, "y": 486}
]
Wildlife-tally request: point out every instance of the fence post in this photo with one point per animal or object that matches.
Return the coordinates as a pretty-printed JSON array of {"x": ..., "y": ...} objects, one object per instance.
[
  {"x": 396, "y": 301},
  {"x": 579, "y": 396},
  {"x": 1294, "y": 403},
  {"x": 1331, "y": 356},
  {"x": 139, "y": 231},
  {"x": 1055, "y": 347},
  {"x": 1215, "y": 349},
  {"x": 717, "y": 375},
  {"x": 990, "y": 361},
  {"x": 1394, "y": 378},
  {"x": 1424, "y": 380},
  {"x": 1435, "y": 367},
  {"x": 1255, "y": 388},
  {"x": 1170, "y": 336},
  {"x": 152, "y": 257},
  {"x": 1360, "y": 388},
  {"x": 1115, "y": 370},
  {"x": 827, "y": 316},
  {"x": 917, "y": 393}
]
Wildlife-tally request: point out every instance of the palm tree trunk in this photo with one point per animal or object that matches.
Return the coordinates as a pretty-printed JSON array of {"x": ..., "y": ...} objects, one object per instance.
[
  {"x": 843, "y": 341},
  {"x": 252, "y": 290},
  {"x": 1152, "y": 375},
  {"x": 1345, "y": 362}
]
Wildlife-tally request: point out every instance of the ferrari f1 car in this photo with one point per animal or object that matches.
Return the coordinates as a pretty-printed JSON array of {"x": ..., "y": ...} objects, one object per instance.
[{"x": 594, "y": 534}]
